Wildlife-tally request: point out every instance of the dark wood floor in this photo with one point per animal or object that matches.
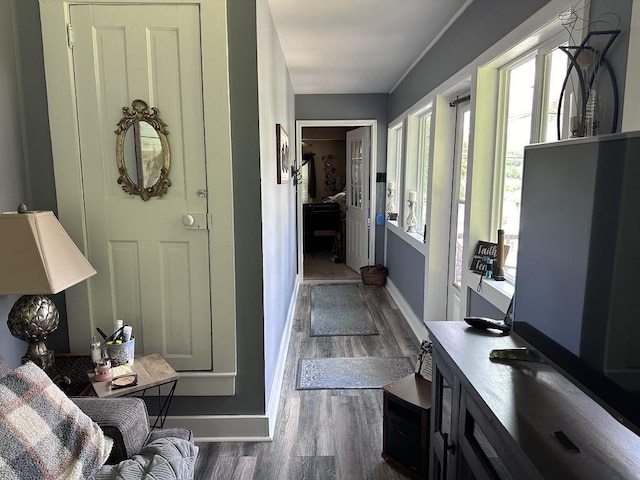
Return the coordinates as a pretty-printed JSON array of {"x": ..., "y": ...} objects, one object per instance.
[{"x": 321, "y": 434}]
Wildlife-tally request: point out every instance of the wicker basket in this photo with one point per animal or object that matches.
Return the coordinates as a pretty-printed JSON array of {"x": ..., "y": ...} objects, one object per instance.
[{"x": 374, "y": 275}]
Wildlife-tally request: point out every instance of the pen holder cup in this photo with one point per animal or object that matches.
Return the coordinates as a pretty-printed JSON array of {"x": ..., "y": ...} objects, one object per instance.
[{"x": 121, "y": 353}]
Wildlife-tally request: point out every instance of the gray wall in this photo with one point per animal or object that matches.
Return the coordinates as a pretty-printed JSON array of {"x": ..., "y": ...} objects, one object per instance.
[
  {"x": 603, "y": 17},
  {"x": 406, "y": 271},
  {"x": 26, "y": 167},
  {"x": 479, "y": 307},
  {"x": 481, "y": 25},
  {"x": 367, "y": 106},
  {"x": 13, "y": 185},
  {"x": 245, "y": 137}
]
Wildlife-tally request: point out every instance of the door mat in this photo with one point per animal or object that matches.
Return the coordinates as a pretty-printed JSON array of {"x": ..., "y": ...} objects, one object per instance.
[
  {"x": 340, "y": 309},
  {"x": 355, "y": 372}
]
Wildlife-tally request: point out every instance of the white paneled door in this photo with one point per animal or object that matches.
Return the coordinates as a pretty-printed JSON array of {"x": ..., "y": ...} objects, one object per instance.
[
  {"x": 153, "y": 272},
  {"x": 358, "y": 200}
]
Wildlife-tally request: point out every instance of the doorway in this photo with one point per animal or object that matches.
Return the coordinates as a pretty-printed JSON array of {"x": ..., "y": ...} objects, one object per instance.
[{"x": 325, "y": 183}]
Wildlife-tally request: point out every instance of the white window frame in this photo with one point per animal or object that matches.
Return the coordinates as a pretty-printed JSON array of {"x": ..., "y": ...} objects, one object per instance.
[
  {"x": 418, "y": 159},
  {"x": 395, "y": 160},
  {"x": 539, "y": 53}
]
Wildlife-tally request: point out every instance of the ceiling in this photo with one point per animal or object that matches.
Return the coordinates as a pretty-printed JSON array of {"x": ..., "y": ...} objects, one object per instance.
[{"x": 357, "y": 46}]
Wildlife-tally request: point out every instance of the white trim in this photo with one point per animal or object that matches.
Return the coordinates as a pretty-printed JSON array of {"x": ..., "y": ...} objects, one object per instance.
[
  {"x": 496, "y": 293},
  {"x": 373, "y": 168},
  {"x": 273, "y": 403},
  {"x": 417, "y": 326},
  {"x": 433, "y": 42},
  {"x": 222, "y": 428},
  {"x": 413, "y": 239}
]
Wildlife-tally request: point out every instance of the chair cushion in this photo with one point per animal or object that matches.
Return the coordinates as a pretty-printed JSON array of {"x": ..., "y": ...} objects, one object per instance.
[
  {"x": 163, "y": 459},
  {"x": 43, "y": 434},
  {"x": 124, "y": 420}
]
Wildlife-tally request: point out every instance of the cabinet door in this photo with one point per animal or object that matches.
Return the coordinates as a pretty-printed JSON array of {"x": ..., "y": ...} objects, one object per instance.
[
  {"x": 477, "y": 457},
  {"x": 444, "y": 420}
]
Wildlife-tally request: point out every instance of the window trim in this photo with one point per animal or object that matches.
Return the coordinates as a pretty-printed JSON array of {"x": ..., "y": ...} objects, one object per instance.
[{"x": 539, "y": 54}]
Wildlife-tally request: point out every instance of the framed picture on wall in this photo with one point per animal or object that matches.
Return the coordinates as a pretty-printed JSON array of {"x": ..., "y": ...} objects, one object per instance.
[{"x": 282, "y": 154}]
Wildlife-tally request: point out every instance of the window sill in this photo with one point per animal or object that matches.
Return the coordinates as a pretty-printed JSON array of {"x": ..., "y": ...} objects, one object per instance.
[
  {"x": 416, "y": 240},
  {"x": 498, "y": 294}
]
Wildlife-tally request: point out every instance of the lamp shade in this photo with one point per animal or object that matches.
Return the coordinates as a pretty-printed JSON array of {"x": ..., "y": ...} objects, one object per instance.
[{"x": 37, "y": 256}]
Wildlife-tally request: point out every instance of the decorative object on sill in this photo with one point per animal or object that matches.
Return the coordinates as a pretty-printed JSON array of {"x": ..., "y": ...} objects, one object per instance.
[
  {"x": 391, "y": 203},
  {"x": 484, "y": 251},
  {"x": 587, "y": 59},
  {"x": 282, "y": 154},
  {"x": 151, "y": 159},
  {"x": 498, "y": 263},
  {"x": 38, "y": 258},
  {"x": 489, "y": 273},
  {"x": 374, "y": 275},
  {"x": 411, "y": 220},
  {"x": 424, "y": 234},
  {"x": 424, "y": 363}
]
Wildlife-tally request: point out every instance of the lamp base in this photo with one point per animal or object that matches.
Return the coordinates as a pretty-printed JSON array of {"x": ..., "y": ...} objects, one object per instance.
[
  {"x": 32, "y": 319},
  {"x": 44, "y": 360}
]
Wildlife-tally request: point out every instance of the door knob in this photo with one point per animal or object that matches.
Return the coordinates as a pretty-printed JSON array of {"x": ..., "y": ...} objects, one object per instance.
[{"x": 188, "y": 220}]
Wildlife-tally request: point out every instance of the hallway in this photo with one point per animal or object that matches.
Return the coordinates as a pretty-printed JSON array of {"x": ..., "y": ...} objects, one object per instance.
[
  {"x": 320, "y": 267},
  {"x": 321, "y": 434}
]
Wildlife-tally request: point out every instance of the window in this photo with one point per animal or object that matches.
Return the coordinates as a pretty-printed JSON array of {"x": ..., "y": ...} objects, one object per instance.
[
  {"x": 417, "y": 162},
  {"x": 529, "y": 92},
  {"x": 394, "y": 163}
]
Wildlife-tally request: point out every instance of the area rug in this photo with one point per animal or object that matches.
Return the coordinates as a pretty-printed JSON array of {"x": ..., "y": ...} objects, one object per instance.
[
  {"x": 340, "y": 309},
  {"x": 355, "y": 372}
]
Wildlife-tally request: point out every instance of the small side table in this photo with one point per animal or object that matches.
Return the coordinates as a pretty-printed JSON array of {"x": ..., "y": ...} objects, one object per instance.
[
  {"x": 406, "y": 419},
  {"x": 153, "y": 371}
]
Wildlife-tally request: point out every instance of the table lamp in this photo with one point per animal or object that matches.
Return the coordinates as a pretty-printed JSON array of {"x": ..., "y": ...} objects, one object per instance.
[{"x": 37, "y": 258}]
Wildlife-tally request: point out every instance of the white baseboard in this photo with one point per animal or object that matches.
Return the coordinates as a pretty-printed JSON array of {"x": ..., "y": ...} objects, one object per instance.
[
  {"x": 273, "y": 403},
  {"x": 243, "y": 428},
  {"x": 223, "y": 428},
  {"x": 416, "y": 325}
]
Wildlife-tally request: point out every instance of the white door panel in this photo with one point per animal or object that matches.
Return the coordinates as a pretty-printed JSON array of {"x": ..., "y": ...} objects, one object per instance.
[
  {"x": 152, "y": 271},
  {"x": 358, "y": 197},
  {"x": 458, "y": 212}
]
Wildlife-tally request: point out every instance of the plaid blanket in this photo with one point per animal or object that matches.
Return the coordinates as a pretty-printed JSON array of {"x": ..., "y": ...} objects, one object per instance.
[{"x": 43, "y": 434}]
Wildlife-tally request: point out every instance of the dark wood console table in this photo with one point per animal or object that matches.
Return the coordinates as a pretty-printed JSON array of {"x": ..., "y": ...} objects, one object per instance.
[{"x": 500, "y": 420}]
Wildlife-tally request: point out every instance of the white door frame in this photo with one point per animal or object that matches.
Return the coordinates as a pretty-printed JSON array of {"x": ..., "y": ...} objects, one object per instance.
[{"x": 373, "y": 124}]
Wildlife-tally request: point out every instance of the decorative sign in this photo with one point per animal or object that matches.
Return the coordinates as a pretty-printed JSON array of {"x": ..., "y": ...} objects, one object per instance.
[{"x": 484, "y": 251}]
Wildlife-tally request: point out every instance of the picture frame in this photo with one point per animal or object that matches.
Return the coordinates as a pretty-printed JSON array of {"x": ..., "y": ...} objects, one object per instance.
[{"x": 283, "y": 161}]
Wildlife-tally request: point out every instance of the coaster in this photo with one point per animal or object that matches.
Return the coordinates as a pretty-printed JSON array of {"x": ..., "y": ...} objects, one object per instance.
[{"x": 124, "y": 381}]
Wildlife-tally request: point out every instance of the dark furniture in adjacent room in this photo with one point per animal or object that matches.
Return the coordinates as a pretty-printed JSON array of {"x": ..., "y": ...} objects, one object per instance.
[
  {"x": 322, "y": 228},
  {"x": 406, "y": 415}
]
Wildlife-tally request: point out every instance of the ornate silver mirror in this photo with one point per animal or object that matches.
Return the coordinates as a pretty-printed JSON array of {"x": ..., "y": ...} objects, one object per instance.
[{"x": 142, "y": 151}]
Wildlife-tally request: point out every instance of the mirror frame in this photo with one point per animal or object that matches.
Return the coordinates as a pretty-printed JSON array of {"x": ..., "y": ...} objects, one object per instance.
[{"x": 140, "y": 112}]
